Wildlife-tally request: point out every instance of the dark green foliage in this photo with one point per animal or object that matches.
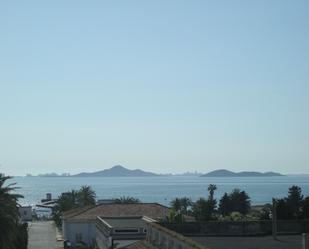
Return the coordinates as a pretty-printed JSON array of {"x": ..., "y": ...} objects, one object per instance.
[
  {"x": 294, "y": 201},
  {"x": 186, "y": 204},
  {"x": 181, "y": 205},
  {"x": 175, "y": 216},
  {"x": 293, "y": 206},
  {"x": 305, "y": 208},
  {"x": 85, "y": 196},
  {"x": 265, "y": 213},
  {"x": 13, "y": 235},
  {"x": 21, "y": 241},
  {"x": 211, "y": 191},
  {"x": 283, "y": 210},
  {"x": 69, "y": 200},
  {"x": 127, "y": 200},
  {"x": 176, "y": 204},
  {"x": 211, "y": 199},
  {"x": 203, "y": 209},
  {"x": 224, "y": 203},
  {"x": 236, "y": 201}
]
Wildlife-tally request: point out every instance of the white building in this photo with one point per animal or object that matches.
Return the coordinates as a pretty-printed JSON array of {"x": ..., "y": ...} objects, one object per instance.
[
  {"x": 79, "y": 225},
  {"x": 25, "y": 213},
  {"x": 120, "y": 232}
]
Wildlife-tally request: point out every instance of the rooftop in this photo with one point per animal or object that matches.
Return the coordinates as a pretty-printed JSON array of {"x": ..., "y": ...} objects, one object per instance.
[
  {"x": 138, "y": 221},
  {"x": 152, "y": 210},
  {"x": 236, "y": 242}
]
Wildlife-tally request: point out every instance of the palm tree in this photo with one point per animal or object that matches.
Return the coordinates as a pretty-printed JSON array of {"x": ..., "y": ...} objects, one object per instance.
[
  {"x": 86, "y": 196},
  {"x": 9, "y": 215},
  {"x": 185, "y": 204},
  {"x": 211, "y": 189},
  {"x": 126, "y": 200},
  {"x": 176, "y": 204},
  {"x": 72, "y": 199}
]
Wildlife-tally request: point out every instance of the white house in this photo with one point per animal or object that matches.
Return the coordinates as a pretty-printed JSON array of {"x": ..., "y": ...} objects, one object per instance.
[
  {"x": 25, "y": 213},
  {"x": 79, "y": 225},
  {"x": 120, "y": 232}
]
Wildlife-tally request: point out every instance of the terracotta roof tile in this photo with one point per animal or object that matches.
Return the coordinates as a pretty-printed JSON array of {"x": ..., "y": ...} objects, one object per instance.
[{"x": 152, "y": 210}]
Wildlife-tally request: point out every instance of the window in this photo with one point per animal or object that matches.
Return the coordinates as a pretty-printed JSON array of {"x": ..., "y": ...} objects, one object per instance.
[
  {"x": 78, "y": 237},
  {"x": 127, "y": 230}
]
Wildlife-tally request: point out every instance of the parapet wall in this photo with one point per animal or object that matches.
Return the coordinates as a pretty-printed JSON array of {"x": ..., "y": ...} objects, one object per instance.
[
  {"x": 239, "y": 228},
  {"x": 163, "y": 238}
]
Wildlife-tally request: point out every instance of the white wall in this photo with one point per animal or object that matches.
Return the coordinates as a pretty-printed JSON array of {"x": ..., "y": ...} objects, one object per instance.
[
  {"x": 25, "y": 213},
  {"x": 103, "y": 242},
  {"x": 86, "y": 229}
]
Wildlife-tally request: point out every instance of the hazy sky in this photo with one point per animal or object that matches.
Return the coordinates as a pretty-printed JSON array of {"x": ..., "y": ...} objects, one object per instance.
[{"x": 166, "y": 86}]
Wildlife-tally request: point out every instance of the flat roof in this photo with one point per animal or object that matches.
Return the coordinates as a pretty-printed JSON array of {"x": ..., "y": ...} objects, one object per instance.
[
  {"x": 125, "y": 222},
  {"x": 237, "y": 242}
]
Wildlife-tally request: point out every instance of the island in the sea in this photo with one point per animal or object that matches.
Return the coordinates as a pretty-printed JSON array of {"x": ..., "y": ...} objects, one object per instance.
[
  {"x": 227, "y": 173},
  {"x": 116, "y": 171},
  {"x": 120, "y": 171}
]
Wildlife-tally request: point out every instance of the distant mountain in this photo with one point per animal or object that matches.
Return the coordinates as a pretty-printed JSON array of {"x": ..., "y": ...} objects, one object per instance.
[
  {"x": 227, "y": 173},
  {"x": 117, "y": 170}
]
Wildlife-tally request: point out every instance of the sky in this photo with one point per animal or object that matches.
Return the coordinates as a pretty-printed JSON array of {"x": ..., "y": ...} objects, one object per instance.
[{"x": 165, "y": 86}]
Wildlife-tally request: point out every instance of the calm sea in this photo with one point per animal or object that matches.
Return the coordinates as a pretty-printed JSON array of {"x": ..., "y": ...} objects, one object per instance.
[{"x": 160, "y": 189}]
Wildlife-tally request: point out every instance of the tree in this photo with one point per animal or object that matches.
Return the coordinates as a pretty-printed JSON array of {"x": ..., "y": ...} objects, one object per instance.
[
  {"x": 294, "y": 201},
  {"x": 21, "y": 241},
  {"x": 176, "y": 204},
  {"x": 213, "y": 202},
  {"x": 185, "y": 203},
  {"x": 293, "y": 206},
  {"x": 127, "y": 200},
  {"x": 283, "y": 210},
  {"x": 203, "y": 210},
  {"x": 305, "y": 207},
  {"x": 66, "y": 201},
  {"x": 73, "y": 199},
  {"x": 181, "y": 205},
  {"x": 236, "y": 201},
  {"x": 224, "y": 205},
  {"x": 240, "y": 201},
  {"x": 10, "y": 238},
  {"x": 211, "y": 190},
  {"x": 174, "y": 216},
  {"x": 86, "y": 196}
]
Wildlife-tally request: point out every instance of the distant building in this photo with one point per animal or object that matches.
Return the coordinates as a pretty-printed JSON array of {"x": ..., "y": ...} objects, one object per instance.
[
  {"x": 48, "y": 198},
  {"x": 25, "y": 213},
  {"x": 79, "y": 225},
  {"x": 119, "y": 232}
]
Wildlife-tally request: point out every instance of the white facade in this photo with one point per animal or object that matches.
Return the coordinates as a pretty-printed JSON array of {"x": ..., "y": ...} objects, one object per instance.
[
  {"x": 119, "y": 232},
  {"x": 79, "y": 231},
  {"x": 25, "y": 213}
]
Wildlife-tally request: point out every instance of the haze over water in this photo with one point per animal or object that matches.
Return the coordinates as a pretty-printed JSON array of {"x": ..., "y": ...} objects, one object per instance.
[{"x": 161, "y": 189}]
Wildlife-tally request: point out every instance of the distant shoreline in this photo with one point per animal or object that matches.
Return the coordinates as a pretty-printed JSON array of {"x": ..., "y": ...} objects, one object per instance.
[
  {"x": 170, "y": 175},
  {"x": 120, "y": 171}
]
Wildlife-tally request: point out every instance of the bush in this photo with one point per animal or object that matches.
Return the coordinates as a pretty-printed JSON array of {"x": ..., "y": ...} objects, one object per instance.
[
  {"x": 293, "y": 206},
  {"x": 203, "y": 210},
  {"x": 236, "y": 201}
]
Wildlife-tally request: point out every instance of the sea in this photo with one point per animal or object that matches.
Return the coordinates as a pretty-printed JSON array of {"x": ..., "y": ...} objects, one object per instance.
[{"x": 160, "y": 189}]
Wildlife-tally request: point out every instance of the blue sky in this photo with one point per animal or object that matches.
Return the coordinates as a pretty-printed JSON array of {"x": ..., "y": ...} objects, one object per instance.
[{"x": 166, "y": 86}]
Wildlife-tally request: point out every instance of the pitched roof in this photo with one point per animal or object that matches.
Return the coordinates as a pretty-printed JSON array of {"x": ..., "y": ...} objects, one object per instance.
[{"x": 152, "y": 210}]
